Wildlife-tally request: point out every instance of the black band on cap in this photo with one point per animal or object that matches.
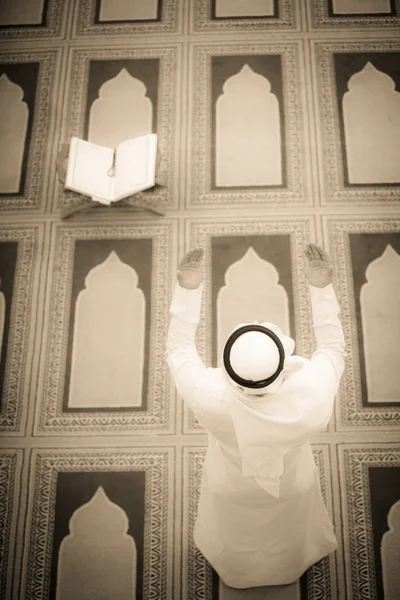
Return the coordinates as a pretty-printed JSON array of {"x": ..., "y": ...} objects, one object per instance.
[{"x": 227, "y": 356}]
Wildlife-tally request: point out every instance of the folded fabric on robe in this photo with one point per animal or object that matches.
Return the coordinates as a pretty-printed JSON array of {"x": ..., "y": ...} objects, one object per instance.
[{"x": 270, "y": 425}]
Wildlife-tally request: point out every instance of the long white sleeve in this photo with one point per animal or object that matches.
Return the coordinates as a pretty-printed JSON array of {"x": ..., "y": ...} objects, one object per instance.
[
  {"x": 328, "y": 358},
  {"x": 201, "y": 387}
]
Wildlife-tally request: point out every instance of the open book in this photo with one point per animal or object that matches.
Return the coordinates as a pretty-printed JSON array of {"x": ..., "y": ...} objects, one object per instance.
[{"x": 108, "y": 174}]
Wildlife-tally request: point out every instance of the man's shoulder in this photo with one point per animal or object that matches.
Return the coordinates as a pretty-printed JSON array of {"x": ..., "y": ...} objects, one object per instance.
[
  {"x": 214, "y": 380},
  {"x": 298, "y": 374}
]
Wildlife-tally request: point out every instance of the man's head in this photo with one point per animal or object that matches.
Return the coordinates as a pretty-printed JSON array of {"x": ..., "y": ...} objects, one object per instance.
[{"x": 254, "y": 355}]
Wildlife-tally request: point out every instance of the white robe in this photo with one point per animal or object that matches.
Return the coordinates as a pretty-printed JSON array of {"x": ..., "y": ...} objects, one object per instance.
[{"x": 261, "y": 519}]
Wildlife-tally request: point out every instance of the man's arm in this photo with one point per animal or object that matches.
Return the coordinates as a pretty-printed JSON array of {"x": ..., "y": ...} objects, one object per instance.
[
  {"x": 328, "y": 358},
  {"x": 201, "y": 387},
  {"x": 183, "y": 359},
  {"x": 328, "y": 332}
]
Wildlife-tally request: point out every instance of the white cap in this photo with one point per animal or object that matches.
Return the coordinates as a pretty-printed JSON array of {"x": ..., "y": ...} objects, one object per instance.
[
  {"x": 254, "y": 356},
  {"x": 287, "y": 342}
]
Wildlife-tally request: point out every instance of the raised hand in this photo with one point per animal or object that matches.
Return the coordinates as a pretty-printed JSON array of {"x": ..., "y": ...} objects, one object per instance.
[
  {"x": 319, "y": 267},
  {"x": 189, "y": 270}
]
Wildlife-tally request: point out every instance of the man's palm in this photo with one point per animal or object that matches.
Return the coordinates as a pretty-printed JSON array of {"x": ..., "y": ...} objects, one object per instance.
[
  {"x": 189, "y": 270},
  {"x": 319, "y": 268}
]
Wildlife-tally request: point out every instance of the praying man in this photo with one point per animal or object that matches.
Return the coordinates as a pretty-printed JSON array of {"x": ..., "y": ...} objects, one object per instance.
[{"x": 261, "y": 519}]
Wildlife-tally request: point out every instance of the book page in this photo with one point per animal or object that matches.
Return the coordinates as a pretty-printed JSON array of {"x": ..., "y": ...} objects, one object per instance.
[
  {"x": 88, "y": 165},
  {"x": 135, "y": 165}
]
